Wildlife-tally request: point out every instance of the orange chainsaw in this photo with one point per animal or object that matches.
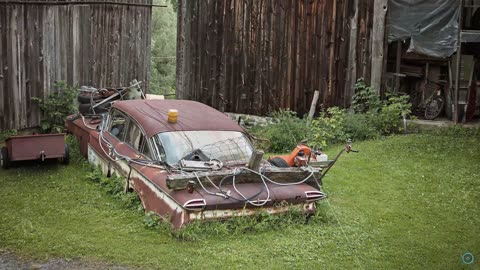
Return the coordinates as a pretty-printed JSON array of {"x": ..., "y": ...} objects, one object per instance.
[{"x": 303, "y": 155}]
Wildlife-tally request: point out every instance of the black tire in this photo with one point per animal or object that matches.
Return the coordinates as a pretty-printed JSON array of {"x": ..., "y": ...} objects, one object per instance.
[
  {"x": 86, "y": 109},
  {"x": 278, "y": 162},
  {"x": 66, "y": 157},
  {"x": 5, "y": 162},
  {"x": 86, "y": 99}
]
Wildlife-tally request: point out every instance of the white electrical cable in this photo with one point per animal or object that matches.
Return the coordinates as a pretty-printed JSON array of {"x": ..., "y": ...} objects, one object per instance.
[
  {"x": 86, "y": 125},
  {"x": 207, "y": 191},
  {"x": 262, "y": 177},
  {"x": 243, "y": 196}
]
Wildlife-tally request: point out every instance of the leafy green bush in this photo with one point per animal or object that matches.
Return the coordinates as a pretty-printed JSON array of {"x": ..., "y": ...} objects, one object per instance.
[
  {"x": 371, "y": 118},
  {"x": 387, "y": 119},
  {"x": 56, "y": 107},
  {"x": 358, "y": 127},
  {"x": 329, "y": 127},
  {"x": 7, "y": 133},
  {"x": 281, "y": 136},
  {"x": 365, "y": 98}
]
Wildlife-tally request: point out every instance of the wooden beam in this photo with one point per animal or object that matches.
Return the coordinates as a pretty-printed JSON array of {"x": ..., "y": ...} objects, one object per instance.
[
  {"x": 281, "y": 175},
  {"x": 49, "y": 3},
  {"x": 255, "y": 161},
  {"x": 352, "y": 57},
  {"x": 316, "y": 95},
  {"x": 379, "y": 12},
  {"x": 398, "y": 63},
  {"x": 457, "y": 71}
]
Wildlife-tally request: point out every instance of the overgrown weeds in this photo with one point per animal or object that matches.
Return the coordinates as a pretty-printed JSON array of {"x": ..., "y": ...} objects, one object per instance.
[
  {"x": 370, "y": 117},
  {"x": 114, "y": 186},
  {"x": 286, "y": 130},
  {"x": 260, "y": 222},
  {"x": 7, "y": 133}
]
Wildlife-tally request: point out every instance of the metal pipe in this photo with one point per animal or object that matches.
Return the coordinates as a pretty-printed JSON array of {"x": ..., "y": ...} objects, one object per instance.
[{"x": 23, "y": 2}]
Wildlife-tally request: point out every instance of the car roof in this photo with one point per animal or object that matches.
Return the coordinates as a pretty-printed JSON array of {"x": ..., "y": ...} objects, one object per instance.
[{"x": 192, "y": 115}]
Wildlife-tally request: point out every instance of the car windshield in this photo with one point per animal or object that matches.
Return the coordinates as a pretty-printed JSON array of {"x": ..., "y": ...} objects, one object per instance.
[{"x": 231, "y": 147}]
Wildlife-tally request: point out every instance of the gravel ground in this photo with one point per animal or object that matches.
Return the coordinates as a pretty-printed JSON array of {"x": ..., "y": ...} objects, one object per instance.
[{"x": 9, "y": 261}]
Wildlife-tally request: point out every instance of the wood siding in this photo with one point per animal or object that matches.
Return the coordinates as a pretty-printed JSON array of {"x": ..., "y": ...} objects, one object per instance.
[
  {"x": 255, "y": 56},
  {"x": 101, "y": 45}
]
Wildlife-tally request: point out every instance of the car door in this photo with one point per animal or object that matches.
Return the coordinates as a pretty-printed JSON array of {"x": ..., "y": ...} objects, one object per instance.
[
  {"x": 135, "y": 138},
  {"x": 113, "y": 144}
]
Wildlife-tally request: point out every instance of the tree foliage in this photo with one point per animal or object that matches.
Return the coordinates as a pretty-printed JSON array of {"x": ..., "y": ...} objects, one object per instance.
[{"x": 164, "y": 42}]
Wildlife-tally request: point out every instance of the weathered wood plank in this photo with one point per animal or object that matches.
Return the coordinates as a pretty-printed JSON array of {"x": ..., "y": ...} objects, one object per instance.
[
  {"x": 277, "y": 53},
  {"x": 81, "y": 44},
  {"x": 281, "y": 175}
]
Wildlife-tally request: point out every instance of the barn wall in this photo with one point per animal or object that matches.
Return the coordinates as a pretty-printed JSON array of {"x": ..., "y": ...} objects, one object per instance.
[
  {"x": 255, "y": 56},
  {"x": 90, "y": 44}
]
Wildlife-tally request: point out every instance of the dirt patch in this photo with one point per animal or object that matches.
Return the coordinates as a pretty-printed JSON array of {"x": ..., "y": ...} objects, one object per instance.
[{"x": 10, "y": 261}]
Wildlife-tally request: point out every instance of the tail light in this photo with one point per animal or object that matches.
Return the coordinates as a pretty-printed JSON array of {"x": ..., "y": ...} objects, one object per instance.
[
  {"x": 314, "y": 195},
  {"x": 195, "y": 205}
]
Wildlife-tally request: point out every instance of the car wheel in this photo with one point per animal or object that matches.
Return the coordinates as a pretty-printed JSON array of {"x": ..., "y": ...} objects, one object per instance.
[
  {"x": 66, "y": 157},
  {"x": 278, "y": 162},
  {"x": 5, "y": 162}
]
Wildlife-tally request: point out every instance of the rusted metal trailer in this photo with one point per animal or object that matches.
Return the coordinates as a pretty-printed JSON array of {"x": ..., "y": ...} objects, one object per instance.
[{"x": 35, "y": 147}]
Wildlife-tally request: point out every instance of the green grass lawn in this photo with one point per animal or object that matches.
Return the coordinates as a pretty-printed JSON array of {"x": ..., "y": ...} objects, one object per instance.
[{"x": 408, "y": 202}]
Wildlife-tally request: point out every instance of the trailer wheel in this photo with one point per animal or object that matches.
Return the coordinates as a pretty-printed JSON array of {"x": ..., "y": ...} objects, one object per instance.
[
  {"x": 66, "y": 157},
  {"x": 5, "y": 162},
  {"x": 278, "y": 162}
]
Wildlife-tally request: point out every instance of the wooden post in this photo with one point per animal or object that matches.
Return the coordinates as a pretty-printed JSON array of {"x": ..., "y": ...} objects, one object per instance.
[
  {"x": 311, "y": 113},
  {"x": 379, "y": 12},
  {"x": 457, "y": 71},
  {"x": 255, "y": 161},
  {"x": 398, "y": 63},
  {"x": 352, "y": 57}
]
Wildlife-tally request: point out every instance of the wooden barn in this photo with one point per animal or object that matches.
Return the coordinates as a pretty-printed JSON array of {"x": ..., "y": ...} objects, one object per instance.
[
  {"x": 96, "y": 43},
  {"x": 254, "y": 56}
]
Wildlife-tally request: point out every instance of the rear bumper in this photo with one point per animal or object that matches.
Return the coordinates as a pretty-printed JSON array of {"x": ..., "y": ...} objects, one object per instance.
[{"x": 307, "y": 208}]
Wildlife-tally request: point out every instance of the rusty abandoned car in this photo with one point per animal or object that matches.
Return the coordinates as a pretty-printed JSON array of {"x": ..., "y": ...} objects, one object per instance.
[{"x": 188, "y": 161}]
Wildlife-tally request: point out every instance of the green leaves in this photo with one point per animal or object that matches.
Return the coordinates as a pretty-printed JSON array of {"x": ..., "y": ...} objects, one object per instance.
[
  {"x": 365, "y": 98},
  {"x": 7, "y": 133},
  {"x": 329, "y": 127},
  {"x": 56, "y": 107},
  {"x": 281, "y": 136},
  {"x": 163, "y": 63}
]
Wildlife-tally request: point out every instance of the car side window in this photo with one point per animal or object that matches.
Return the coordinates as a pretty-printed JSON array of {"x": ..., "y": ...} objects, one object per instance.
[
  {"x": 134, "y": 136},
  {"x": 118, "y": 125},
  {"x": 146, "y": 149},
  {"x": 136, "y": 139}
]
